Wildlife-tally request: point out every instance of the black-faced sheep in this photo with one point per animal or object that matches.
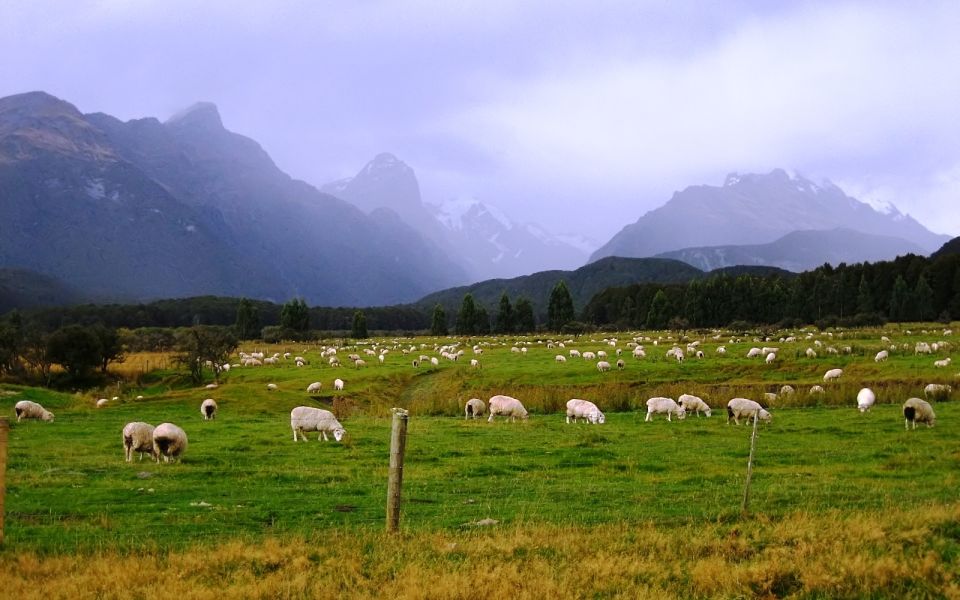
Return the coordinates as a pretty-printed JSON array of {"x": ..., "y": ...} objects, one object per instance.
[
  {"x": 169, "y": 442},
  {"x": 474, "y": 408},
  {"x": 916, "y": 411},
  {"x": 27, "y": 409},
  {"x": 137, "y": 437},
  {"x": 208, "y": 408}
]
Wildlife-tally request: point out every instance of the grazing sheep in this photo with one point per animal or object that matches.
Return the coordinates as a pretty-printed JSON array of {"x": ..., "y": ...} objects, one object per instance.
[
  {"x": 584, "y": 409},
  {"x": 102, "y": 402},
  {"x": 691, "y": 403},
  {"x": 560, "y": 358},
  {"x": 865, "y": 399},
  {"x": 211, "y": 386},
  {"x": 415, "y": 363},
  {"x": 334, "y": 361},
  {"x": 753, "y": 352},
  {"x": 169, "y": 442},
  {"x": 942, "y": 363},
  {"x": 661, "y": 405},
  {"x": 620, "y": 364},
  {"x": 916, "y": 411},
  {"x": 308, "y": 418},
  {"x": 338, "y": 384},
  {"x": 474, "y": 408},
  {"x": 937, "y": 390},
  {"x": 359, "y": 363},
  {"x": 27, "y": 409},
  {"x": 881, "y": 356},
  {"x": 699, "y": 354},
  {"x": 638, "y": 352},
  {"x": 271, "y": 387},
  {"x": 771, "y": 357},
  {"x": 208, "y": 408},
  {"x": 589, "y": 355},
  {"x": 574, "y": 352},
  {"x": 506, "y": 406},
  {"x": 741, "y": 407},
  {"x": 922, "y": 348},
  {"x": 811, "y": 353},
  {"x": 434, "y": 361},
  {"x": 314, "y": 388},
  {"x": 832, "y": 374},
  {"x": 786, "y": 390},
  {"x": 603, "y": 366},
  {"x": 721, "y": 350},
  {"x": 137, "y": 437},
  {"x": 770, "y": 397},
  {"x": 817, "y": 389},
  {"x": 601, "y": 354},
  {"x": 474, "y": 363}
]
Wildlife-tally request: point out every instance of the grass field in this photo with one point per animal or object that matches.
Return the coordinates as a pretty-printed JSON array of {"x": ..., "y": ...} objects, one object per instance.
[{"x": 828, "y": 481}]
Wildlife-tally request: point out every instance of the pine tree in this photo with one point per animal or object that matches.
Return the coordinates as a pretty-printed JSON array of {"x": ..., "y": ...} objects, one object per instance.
[
  {"x": 864, "y": 297},
  {"x": 467, "y": 317},
  {"x": 247, "y": 324},
  {"x": 439, "y": 324},
  {"x": 525, "y": 320},
  {"x": 657, "y": 317},
  {"x": 359, "y": 326},
  {"x": 505, "y": 317},
  {"x": 295, "y": 315},
  {"x": 899, "y": 299},
  {"x": 923, "y": 300},
  {"x": 481, "y": 321},
  {"x": 560, "y": 310}
]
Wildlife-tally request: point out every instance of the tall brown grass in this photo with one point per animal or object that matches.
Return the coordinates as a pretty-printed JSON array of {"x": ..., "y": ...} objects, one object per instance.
[{"x": 911, "y": 553}]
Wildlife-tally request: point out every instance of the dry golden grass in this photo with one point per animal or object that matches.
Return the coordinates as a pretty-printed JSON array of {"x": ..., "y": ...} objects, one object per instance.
[
  {"x": 136, "y": 364},
  {"x": 906, "y": 554}
]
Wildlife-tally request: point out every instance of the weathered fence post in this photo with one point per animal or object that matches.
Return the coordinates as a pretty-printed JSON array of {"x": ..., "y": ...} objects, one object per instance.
[
  {"x": 746, "y": 488},
  {"x": 4, "y": 427},
  {"x": 398, "y": 444}
]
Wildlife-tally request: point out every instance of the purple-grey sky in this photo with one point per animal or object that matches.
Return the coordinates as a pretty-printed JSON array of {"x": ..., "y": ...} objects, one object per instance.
[{"x": 578, "y": 115}]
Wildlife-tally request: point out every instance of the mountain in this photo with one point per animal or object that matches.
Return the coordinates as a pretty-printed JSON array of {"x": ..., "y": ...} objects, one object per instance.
[
  {"x": 27, "y": 289},
  {"x": 583, "y": 283},
  {"x": 800, "y": 251},
  {"x": 951, "y": 247},
  {"x": 480, "y": 236},
  {"x": 757, "y": 209},
  {"x": 145, "y": 209}
]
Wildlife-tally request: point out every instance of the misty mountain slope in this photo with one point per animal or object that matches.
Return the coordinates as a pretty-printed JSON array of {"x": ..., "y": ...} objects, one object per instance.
[
  {"x": 800, "y": 251},
  {"x": 479, "y": 236},
  {"x": 20, "y": 288},
  {"x": 756, "y": 209},
  {"x": 950, "y": 248},
  {"x": 186, "y": 207}
]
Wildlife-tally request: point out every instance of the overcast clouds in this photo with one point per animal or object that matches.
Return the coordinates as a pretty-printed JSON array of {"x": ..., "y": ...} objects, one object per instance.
[{"x": 586, "y": 113}]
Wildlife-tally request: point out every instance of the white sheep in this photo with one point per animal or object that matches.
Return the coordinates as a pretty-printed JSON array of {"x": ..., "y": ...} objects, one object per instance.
[
  {"x": 603, "y": 366},
  {"x": 601, "y": 354},
  {"x": 308, "y": 418},
  {"x": 667, "y": 406},
  {"x": 27, "y": 409},
  {"x": 434, "y": 361},
  {"x": 937, "y": 390},
  {"x": 916, "y": 411},
  {"x": 753, "y": 352},
  {"x": 584, "y": 409},
  {"x": 620, "y": 364},
  {"x": 589, "y": 355},
  {"x": 922, "y": 348},
  {"x": 211, "y": 386},
  {"x": 771, "y": 357},
  {"x": 338, "y": 384},
  {"x": 638, "y": 352},
  {"x": 359, "y": 363},
  {"x": 271, "y": 387},
  {"x": 506, "y": 406},
  {"x": 474, "y": 363},
  {"x": 942, "y": 363},
  {"x": 102, "y": 402},
  {"x": 560, "y": 358},
  {"x": 699, "y": 354},
  {"x": 721, "y": 350},
  {"x": 691, "y": 403},
  {"x": 881, "y": 356},
  {"x": 137, "y": 437},
  {"x": 817, "y": 389},
  {"x": 811, "y": 353},
  {"x": 208, "y": 408},
  {"x": 865, "y": 399},
  {"x": 741, "y": 407},
  {"x": 474, "y": 408},
  {"x": 832, "y": 374},
  {"x": 169, "y": 442},
  {"x": 315, "y": 387},
  {"x": 787, "y": 390}
]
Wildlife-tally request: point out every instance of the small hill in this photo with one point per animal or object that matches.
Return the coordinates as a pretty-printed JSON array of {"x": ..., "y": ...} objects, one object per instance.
[
  {"x": 20, "y": 288},
  {"x": 951, "y": 247}
]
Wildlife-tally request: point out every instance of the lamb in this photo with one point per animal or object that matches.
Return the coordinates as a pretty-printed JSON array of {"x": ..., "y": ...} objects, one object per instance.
[
  {"x": 338, "y": 384},
  {"x": 506, "y": 406},
  {"x": 916, "y": 411},
  {"x": 691, "y": 403},
  {"x": 315, "y": 387},
  {"x": 937, "y": 390},
  {"x": 865, "y": 399},
  {"x": 208, "y": 408},
  {"x": 661, "y": 405},
  {"x": 881, "y": 356},
  {"x": 832, "y": 374},
  {"x": 474, "y": 408},
  {"x": 169, "y": 442},
  {"x": 137, "y": 437},
  {"x": 584, "y": 409},
  {"x": 603, "y": 366},
  {"x": 27, "y": 409},
  {"x": 741, "y": 407},
  {"x": 308, "y": 418}
]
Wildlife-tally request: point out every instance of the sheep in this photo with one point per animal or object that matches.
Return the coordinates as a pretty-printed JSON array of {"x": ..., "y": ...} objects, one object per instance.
[
  {"x": 474, "y": 408},
  {"x": 603, "y": 366},
  {"x": 308, "y": 418},
  {"x": 865, "y": 399},
  {"x": 382, "y": 358},
  {"x": 769, "y": 397},
  {"x": 359, "y": 363},
  {"x": 817, "y": 389},
  {"x": 589, "y": 355},
  {"x": 638, "y": 352},
  {"x": 753, "y": 352},
  {"x": 679, "y": 355},
  {"x": 881, "y": 356},
  {"x": 741, "y": 407},
  {"x": 832, "y": 374},
  {"x": 699, "y": 354},
  {"x": 916, "y": 411},
  {"x": 137, "y": 437},
  {"x": 415, "y": 363},
  {"x": 434, "y": 361},
  {"x": 942, "y": 363},
  {"x": 27, "y": 409},
  {"x": 574, "y": 352},
  {"x": 211, "y": 386},
  {"x": 922, "y": 348},
  {"x": 811, "y": 353},
  {"x": 691, "y": 403},
  {"x": 560, "y": 358},
  {"x": 334, "y": 361},
  {"x": 315, "y": 387},
  {"x": 771, "y": 357},
  {"x": 721, "y": 350},
  {"x": 601, "y": 354},
  {"x": 474, "y": 363},
  {"x": 271, "y": 387},
  {"x": 506, "y": 406},
  {"x": 937, "y": 390},
  {"x": 208, "y": 408},
  {"x": 584, "y": 409},
  {"x": 661, "y": 405},
  {"x": 102, "y": 402},
  {"x": 620, "y": 364},
  {"x": 169, "y": 442}
]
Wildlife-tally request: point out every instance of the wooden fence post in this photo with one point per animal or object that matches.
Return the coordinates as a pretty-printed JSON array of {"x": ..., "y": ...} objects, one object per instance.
[
  {"x": 398, "y": 445},
  {"x": 746, "y": 488},
  {"x": 4, "y": 428}
]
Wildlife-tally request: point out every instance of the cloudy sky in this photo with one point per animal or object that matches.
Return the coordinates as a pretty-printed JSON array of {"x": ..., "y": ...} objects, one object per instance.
[{"x": 578, "y": 115}]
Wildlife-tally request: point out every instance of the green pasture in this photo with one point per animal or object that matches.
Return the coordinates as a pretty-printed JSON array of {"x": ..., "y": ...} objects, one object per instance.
[{"x": 243, "y": 477}]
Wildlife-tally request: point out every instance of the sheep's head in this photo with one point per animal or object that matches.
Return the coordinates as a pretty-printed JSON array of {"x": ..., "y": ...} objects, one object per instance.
[
  {"x": 47, "y": 416},
  {"x": 681, "y": 413},
  {"x": 707, "y": 412},
  {"x": 599, "y": 417},
  {"x": 765, "y": 416},
  {"x": 338, "y": 433}
]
